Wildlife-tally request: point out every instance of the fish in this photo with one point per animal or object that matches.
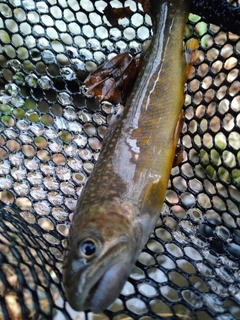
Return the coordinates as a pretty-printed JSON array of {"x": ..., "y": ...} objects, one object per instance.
[{"x": 122, "y": 200}]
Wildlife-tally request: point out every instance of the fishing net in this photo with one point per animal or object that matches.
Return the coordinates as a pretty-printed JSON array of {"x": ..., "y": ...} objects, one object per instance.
[{"x": 50, "y": 138}]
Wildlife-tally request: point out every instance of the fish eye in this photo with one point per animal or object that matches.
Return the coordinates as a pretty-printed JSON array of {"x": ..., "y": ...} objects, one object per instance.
[{"x": 88, "y": 247}]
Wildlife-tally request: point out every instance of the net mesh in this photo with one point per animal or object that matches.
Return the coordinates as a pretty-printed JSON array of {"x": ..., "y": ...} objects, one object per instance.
[{"x": 50, "y": 138}]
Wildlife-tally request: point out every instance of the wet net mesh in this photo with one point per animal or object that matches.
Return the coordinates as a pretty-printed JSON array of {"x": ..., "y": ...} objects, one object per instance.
[{"x": 50, "y": 138}]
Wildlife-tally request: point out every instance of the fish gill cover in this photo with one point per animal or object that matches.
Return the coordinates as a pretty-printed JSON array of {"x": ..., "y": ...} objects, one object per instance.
[{"x": 50, "y": 138}]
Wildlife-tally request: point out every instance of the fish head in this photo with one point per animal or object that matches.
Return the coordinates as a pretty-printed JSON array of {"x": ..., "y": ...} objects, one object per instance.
[{"x": 103, "y": 246}]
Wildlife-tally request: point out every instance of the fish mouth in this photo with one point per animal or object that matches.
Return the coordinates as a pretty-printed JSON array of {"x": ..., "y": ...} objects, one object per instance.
[
  {"x": 107, "y": 288},
  {"x": 100, "y": 283}
]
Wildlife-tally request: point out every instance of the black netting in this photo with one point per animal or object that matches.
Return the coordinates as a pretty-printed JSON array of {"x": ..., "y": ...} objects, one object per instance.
[{"x": 50, "y": 138}]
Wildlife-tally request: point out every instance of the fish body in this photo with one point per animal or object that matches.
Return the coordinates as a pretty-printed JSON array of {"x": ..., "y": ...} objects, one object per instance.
[{"x": 122, "y": 199}]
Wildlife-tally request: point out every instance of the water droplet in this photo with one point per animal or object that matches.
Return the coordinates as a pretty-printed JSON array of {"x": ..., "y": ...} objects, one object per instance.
[
  {"x": 63, "y": 173},
  {"x": 84, "y": 116},
  {"x": 72, "y": 52},
  {"x": 198, "y": 242},
  {"x": 78, "y": 64},
  {"x": 17, "y": 101},
  {"x": 5, "y": 99},
  {"x": 187, "y": 226},
  {"x": 11, "y": 134},
  {"x": 19, "y": 173},
  {"x": 193, "y": 299},
  {"x": 15, "y": 64},
  {"x": 94, "y": 44},
  {"x": 75, "y": 164},
  {"x": 47, "y": 169},
  {"x": 48, "y": 57},
  {"x": 64, "y": 98},
  {"x": 224, "y": 274},
  {"x": 235, "y": 292},
  {"x": 42, "y": 207},
  {"x": 85, "y": 54},
  {"x": 55, "y": 198},
  {"x": 225, "y": 316},
  {"x": 32, "y": 80},
  {"x": 31, "y": 164},
  {"x": 19, "y": 78},
  {"x": 25, "y": 138},
  {"x": 28, "y": 4},
  {"x": 50, "y": 183},
  {"x": 61, "y": 123},
  {"x": 107, "y": 107},
  {"x": 59, "y": 214},
  {"x": 5, "y": 183},
  {"x": 45, "y": 82},
  {"x": 213, "y": 302},
  {"x": 16, "y": 159},
  {"x": 56, "y": 145},
  {"x": 68, "y": 74},
  {"x": 75, "y": 127},
  {"x": 70, "y": 150},
  {"x": 67, "y": 188},
  {"x": 51, "y": 133},
  {"x": 22, "y": 125},
  {"x": 218, "y": 288},
  {"x": 13, "y": 89},
  {"x": 108, "y": 45},
  {"x": 229, "y": 263},
  {"x": 38, "y": 193},
  {"x": 4, "y": 167},
  {"x": 21, "y": 188},
  {"x": 69, "y": 113},
  {"x": 80, "y": 140},
  {"x": 70, "y": 203},
  {"x": 85, "y": 154},
  {"x": 205, "y": 270},
  {"x": 210, "y": 256},
  {"x": 38, "y": 130},
  {"x": 34, "y": 178},
  {"x": 99, "y": 119}
]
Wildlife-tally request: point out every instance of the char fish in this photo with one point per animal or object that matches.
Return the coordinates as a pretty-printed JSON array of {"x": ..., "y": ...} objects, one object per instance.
[{"x": 121, "y": 202}]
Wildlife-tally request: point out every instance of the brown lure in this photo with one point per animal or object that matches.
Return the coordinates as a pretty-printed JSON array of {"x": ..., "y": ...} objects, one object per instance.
[{"x": 114, "y": 78}]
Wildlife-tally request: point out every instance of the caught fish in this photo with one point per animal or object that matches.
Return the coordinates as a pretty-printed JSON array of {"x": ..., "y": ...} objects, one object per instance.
[{"x": 122, "y": 199}]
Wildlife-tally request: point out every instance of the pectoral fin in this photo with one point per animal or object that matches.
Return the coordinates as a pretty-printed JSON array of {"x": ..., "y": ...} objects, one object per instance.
[
  {"x": 154, "y": 197},
  {"x": 178, "y": 158},
  {"x": 191, "y": 54}
]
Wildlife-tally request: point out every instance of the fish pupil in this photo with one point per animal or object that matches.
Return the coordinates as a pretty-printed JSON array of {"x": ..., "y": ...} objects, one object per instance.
[{"x": 88, "y": 247}]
